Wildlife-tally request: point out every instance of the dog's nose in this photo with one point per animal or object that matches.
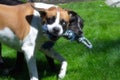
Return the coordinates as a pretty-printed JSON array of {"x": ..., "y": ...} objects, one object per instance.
[{"x": 56, "y": 30}]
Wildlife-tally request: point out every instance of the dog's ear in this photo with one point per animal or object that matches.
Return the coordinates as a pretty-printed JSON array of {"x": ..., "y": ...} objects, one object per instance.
[
  {"x": 73, "y": 16},
  {"x": 72, "y": 13},
  {"x": 41, "y": 11}
]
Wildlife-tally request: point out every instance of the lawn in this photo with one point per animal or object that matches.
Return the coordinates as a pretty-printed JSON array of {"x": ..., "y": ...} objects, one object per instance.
[{"x": 102, "y": 62}]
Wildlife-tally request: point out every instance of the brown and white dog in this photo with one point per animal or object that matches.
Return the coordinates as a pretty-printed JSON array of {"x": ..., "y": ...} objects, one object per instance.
[
  {"x": 75, "y": 25},
  {"x": 21, "y": 29}
]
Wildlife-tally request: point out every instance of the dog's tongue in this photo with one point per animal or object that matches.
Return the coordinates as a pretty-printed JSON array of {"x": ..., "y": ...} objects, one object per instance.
[{"x": 85, "y": 41}]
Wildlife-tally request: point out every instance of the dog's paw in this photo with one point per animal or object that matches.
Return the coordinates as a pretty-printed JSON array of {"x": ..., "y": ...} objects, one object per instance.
[
  {"x": 33, "y": 78},
  {"x": 63, "y": 70}
]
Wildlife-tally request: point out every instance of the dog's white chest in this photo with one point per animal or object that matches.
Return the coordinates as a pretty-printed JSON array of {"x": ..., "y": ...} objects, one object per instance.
[{"x": 9, "y": 38}]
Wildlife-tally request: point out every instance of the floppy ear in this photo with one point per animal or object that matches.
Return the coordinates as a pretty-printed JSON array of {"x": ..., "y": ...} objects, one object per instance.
[
  {"x": 72, "y": 13},
  {"x": 73, "y": 16},
  {"x": 42, "y": 11}
]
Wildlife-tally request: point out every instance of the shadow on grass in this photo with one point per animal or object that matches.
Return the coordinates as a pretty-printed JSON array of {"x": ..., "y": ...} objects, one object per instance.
[
  {"x": 100, "y": 46},
  {"x": 22, "y": 73}
]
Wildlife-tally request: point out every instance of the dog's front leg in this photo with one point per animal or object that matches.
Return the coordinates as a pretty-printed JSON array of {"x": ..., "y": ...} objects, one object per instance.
[
  {"x": 53, "y": 54},
  {"x": 63, "y": 62},
  {"x": 28, "y": 49}
]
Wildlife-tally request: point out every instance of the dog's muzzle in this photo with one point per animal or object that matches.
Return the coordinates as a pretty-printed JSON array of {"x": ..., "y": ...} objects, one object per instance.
[
  {"x": 56, "y": 30},
  {"x": 69, "y": 34},
  {"x": 49, "y": 35}
]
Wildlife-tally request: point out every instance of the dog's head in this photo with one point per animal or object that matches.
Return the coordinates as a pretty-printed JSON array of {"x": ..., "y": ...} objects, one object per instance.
[
  {"x": 74, "y": 31},
  {"x": 76, "y": 23},
  {"x": 55, "y": 20}
]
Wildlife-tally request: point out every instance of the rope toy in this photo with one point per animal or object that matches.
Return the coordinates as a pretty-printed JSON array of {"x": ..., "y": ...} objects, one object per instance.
[{"x": 69, "y": 34}]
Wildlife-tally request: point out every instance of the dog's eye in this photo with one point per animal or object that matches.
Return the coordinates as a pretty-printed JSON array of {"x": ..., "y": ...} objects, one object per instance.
[
  {"x": 51, "y": 20},
  {"x": 63, "y": 23}
]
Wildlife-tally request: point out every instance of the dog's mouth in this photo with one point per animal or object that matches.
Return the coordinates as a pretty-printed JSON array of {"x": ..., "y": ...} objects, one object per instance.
[
  {"x": 69, "y": 34},
  {"x": 52, "y": 36},
  {"x": 53, "y": 30}
]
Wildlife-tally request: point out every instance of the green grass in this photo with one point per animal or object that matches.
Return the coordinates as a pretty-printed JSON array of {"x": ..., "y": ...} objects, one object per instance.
[{"x": 102, "y": 28}]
